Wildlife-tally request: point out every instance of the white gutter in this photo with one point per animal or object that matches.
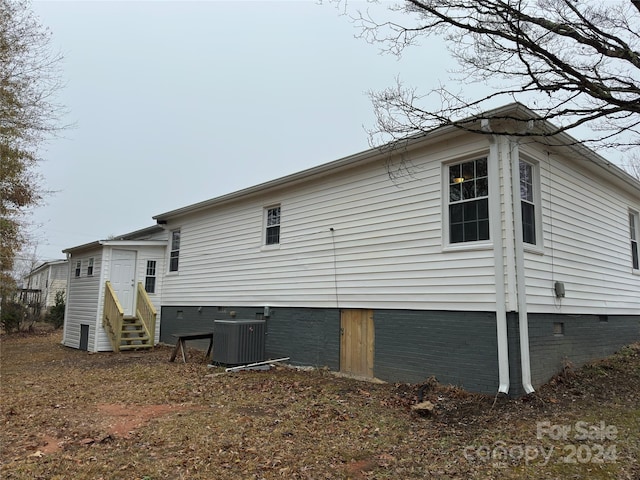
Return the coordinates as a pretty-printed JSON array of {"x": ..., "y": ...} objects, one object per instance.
[
  {"x": 521, "y": 287},
  {"x": 498, "y": 254}
]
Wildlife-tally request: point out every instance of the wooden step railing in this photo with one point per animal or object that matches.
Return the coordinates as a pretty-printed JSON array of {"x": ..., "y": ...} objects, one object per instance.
[
  {"x": 146, "y": 313},
  {"x": 113, "y": 317},
  {"x": 121, "y": 330}
]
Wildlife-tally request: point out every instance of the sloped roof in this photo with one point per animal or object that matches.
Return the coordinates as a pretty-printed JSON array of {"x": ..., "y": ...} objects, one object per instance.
[
  {"x": 46, "y": 264},
  {"x": 514, "y": 112},
  {"x": 135, "y": 235}
]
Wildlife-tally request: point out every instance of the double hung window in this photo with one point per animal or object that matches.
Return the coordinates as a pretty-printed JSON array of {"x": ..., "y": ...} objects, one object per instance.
[
  {"x": 468, "y": 201},
  {"x": 634, "y": 230},
  {"x": 150, "y": 277},
  {"x": 527, "y": 203},
  {"x": 175, "y": 251},
  {"x": 272, "y": 233}
]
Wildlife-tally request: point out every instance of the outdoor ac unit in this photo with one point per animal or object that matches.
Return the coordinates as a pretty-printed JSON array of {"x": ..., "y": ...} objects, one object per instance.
[{"x": 238, "y": 342}]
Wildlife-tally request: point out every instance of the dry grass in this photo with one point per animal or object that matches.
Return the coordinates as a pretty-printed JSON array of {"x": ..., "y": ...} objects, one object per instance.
[{"x": 69, "y": 414}]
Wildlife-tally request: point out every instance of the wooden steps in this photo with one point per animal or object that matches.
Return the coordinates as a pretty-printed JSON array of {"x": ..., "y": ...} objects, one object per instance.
[{"x": 133, "y": 336}]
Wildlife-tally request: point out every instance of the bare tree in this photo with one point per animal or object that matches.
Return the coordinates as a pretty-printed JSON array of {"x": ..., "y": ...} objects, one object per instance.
[
  {"x": 29, "y": 80},
  {"x": 633, "y": 166},
  {"x": 574, "y": 63}
]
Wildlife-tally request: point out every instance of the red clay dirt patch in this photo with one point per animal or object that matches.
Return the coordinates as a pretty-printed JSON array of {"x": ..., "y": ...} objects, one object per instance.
[
  {"x": 47, "y": 445},
  {"x": 358, "y": 469},
  {"x": 121, "y": 420}
]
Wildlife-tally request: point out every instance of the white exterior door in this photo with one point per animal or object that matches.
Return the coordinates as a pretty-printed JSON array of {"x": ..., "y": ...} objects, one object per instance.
[{"x": 123, "y": 278}]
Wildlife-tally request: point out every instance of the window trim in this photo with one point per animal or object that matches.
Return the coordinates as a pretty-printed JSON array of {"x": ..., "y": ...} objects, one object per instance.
[
  {"x": 173, "y": 250},
  {"x": 266, "y": 226},
  {"x": 634, "y": 231},
  {"x": 78, "y": 269},
  {"x": 537, "y": 247},
  {"x": 153, "y": 275},
  {"x": 90, "y": 267},
  {"x": 447, "y": 245}
]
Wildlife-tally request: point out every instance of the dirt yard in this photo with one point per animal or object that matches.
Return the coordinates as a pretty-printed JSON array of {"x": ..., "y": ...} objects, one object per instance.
[{"x": 70, "y": 414}]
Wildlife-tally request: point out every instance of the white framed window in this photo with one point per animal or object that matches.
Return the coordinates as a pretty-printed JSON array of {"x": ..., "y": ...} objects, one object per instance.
[
  {"x": 174, "y": 255},
  {"x": 634, "y": 234},
  {"x": 468, "y": 201},
  {"x": 150, "y": 278},
  {"x": 90, "y": 267},
  {"x": 78, "y": 268},
  {"x": 528, "y": 202},
  {"x": 272, "y": 225}
]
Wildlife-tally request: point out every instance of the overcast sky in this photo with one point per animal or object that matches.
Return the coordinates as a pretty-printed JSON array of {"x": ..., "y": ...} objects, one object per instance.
[{"x": 178, "y": 102}]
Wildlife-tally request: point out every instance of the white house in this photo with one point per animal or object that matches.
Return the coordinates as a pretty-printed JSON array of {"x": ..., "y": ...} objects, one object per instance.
[
  {"x": 125, "y": 270},
  {"x": 44, "y": 282},
  {"x": 489, "y": 261}
]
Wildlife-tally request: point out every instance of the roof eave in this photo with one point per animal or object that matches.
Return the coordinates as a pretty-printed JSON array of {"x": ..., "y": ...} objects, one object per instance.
[
  {"x": 345, "y": 162},
  {"x": 513, "y": 111}
]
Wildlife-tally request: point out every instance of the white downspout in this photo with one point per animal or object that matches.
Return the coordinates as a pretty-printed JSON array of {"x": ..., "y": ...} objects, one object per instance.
[
  {"x": 523, "y": 320},
  {"x": 66, "y": 300},
  {"x": 498, "y": 254}
]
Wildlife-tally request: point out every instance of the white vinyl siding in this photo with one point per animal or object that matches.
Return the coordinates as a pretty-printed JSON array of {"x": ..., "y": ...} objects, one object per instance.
[
  {"x": 586, "y": 244},
  {"x": 358, "y": 238},
  {"x": 57, "y": 281},
  {"x": 49, "y": 278},
  {"x": 355, "y": 239},
  {"x": 82, "y": 302}
]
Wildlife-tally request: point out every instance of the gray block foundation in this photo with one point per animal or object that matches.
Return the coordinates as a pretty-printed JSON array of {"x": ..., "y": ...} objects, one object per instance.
[{"x": 458, "y": 348}]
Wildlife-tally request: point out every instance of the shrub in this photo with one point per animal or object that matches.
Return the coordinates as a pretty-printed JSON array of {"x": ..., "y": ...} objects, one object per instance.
[
  {"x": 55, "y": 316},
  {"x": 12, "y": 316}
]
